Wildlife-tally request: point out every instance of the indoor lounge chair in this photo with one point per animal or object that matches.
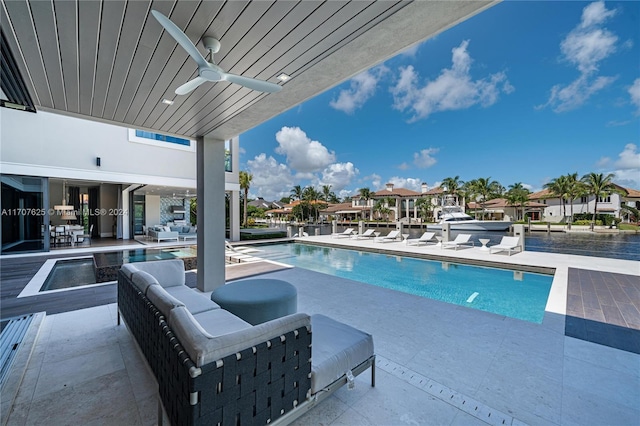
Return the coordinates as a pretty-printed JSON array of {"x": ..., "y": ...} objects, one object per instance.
[
  {"x": 426, "y": 238},
  {"x": 391, "y": 236},
  {"x": 369, "y": 233},
  {"x": 460, "y": 241},
  {"x": 508, "y": 244},
  {"x": 344, "y": 234}
]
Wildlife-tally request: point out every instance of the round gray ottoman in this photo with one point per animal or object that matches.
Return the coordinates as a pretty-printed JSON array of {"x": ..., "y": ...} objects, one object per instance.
[{"x": 257, "y": 300}]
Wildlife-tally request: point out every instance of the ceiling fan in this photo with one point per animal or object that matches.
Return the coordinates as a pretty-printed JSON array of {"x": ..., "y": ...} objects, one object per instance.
[{"x": 209, "y": 71}]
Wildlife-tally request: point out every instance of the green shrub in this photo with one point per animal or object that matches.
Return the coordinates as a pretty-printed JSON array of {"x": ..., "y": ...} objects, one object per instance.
[{"x": 586, "y": 222}]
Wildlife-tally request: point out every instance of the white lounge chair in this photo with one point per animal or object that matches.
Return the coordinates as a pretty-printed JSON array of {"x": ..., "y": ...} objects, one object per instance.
[
  {"x": 240, "y": 249},
  {"x": 344, "y": 234},
  {"x": 508, "y": 244},
  {"x": 369, "y": 233},
  {"x": 426, "y": 238},
  {"x": 391, "y": 236},
  {"x": 460, "y": 241}
]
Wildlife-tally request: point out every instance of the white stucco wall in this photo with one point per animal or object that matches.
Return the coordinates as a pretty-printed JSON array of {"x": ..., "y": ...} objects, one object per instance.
[{"x": 45, "y": 144}]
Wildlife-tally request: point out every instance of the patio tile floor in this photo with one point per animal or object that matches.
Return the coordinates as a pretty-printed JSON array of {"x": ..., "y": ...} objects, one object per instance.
[{"x": 86, "y": 370}]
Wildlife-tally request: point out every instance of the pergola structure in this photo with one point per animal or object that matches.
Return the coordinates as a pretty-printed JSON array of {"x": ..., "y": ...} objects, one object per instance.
[{"x": 112, "y": 61}]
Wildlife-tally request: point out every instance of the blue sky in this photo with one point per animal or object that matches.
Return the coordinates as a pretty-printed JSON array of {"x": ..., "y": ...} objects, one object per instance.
[{"x": 522, "y": 92}]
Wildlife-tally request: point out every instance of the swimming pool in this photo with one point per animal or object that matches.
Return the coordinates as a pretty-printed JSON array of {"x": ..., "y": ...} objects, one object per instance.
[{"x": 516, "y": 294}]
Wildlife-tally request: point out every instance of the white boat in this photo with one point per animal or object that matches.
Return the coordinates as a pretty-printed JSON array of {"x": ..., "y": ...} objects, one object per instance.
[{"x": 458, "y": 220}]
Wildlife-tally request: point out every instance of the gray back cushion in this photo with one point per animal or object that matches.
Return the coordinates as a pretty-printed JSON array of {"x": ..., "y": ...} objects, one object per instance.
[
  {"x": 162, "y": 300},
  {"x": 223, "y": 334},
  {"x": 128, "y": 269},
  {"x": 143, "y": 280},
  {"x": 169, "y": 273}
]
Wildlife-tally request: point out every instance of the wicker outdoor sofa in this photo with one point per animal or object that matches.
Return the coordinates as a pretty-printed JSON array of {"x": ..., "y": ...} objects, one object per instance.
[{"x": 214, "y": 368}]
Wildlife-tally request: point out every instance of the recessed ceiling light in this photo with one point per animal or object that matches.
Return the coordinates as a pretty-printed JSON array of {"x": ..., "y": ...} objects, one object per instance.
[
  {"x": 167, "y": 102},
  {"x": 284, "y": 77}
]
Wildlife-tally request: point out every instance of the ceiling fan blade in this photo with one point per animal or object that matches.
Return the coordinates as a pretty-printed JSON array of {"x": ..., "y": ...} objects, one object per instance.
[
  {"x": 252, "y": 83},
  {"x": 181, "y": 38},
  {"x": 190, "y": 86}
]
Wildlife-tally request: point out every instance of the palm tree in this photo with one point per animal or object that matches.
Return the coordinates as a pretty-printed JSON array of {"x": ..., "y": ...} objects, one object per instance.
[
  {"x": 518, "y": 195},
  {"x": 310, "y": 196},
  {"x": 453, "y": 186},
  {"x": 382, "y": 209},
  {"x": 296, "y": 193},
  {"x": 365, "y": 194},
  {"x": 575, "y": 189},
  {"x": 485, "y": 189},
  {"x": 598, "y": 185},
  {"x": 328, "y": 195},
  {"x": 425, "y": 207},
  {"x": 245, "y": 183},
  {"x": 560, "y": 188}
]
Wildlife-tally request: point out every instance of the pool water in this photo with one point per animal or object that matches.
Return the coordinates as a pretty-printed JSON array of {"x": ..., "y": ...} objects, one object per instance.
[
  {"x": 70, "y": 273},
  {"x": 145, "y": 255},
  {"x": 515, "y": 294}
]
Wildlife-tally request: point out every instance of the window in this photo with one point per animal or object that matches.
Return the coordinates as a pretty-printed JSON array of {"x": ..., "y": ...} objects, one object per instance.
[
  {"x": 227, "y": 156},
  {"x": 158, "y": 139},
  {"x": 606, "y": 199},
  {"x": 583, "y": 200}
]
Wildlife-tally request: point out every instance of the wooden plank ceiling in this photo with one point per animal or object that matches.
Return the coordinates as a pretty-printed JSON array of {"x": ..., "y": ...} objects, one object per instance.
[{"x": 111, "y": 60}]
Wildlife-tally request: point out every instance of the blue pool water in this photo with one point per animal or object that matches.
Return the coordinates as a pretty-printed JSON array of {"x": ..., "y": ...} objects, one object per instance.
[{"x": 514, "y": 294}]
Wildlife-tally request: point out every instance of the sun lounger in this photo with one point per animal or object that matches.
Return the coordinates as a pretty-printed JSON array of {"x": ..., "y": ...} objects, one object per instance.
[
  {"x": 240, "y": 249},
  {"x": 508, "y": 244},
  {"x": 369, "y": 233},
  {"x": 344, "y": 234},
  {"x": 426, "y": 238},
  {"x": 391, "y": 236},
  {"x": 460, "y": 241}
]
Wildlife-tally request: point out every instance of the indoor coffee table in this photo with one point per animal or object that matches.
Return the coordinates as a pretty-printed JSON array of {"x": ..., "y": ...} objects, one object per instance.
[{"x": 257, "y": 300}]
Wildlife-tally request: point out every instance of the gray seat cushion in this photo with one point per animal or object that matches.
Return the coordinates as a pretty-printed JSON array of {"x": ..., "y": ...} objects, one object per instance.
[
  {"x": 336, "y": 348},
  {"x": 212, "y": 335},
  {"x": 194, "y": 301}
]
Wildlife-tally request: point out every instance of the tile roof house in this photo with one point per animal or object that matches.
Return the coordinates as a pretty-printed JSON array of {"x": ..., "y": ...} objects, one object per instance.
[{"x": 611, "y": 205}]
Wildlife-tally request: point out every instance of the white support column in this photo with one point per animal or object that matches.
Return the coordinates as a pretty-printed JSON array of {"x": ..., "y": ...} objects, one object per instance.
[
  {"x": 234, "y": 216},
  {"x": 211, "y": 213},
  {"x": 233, "y": 180},
  {"x": 126, "y": 220}
]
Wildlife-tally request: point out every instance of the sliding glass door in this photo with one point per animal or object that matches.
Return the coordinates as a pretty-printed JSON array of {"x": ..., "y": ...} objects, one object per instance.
[{"x": 25, "y": 216}]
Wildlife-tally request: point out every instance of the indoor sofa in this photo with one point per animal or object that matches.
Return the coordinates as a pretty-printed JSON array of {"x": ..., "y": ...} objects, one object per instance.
[{"x": 213, "y": 367}]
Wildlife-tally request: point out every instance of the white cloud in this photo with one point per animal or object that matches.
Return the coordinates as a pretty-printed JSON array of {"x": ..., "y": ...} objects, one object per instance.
[
  {"x": 577, "y": 93},
  {"x": 424, "y": 158},
  {"x": 595, "y": 13},
  {"x": 411, "y": 51},
  {"x": 588, "y": 44},
  {"x": 338, "y": 175},
  {"x": 404, "y": 166},
  {"x": 626, "y": 168},
  {"x": 271, "y": 179},
  {"x": 362, "y": 88},
  {"x": 413, "y": 184},
  {"x": 376, "y": 181},
  {"x": 303, "y": 154},
  {"x": 629, "y": 158},
  {"x": 453, "y": 89},
  {"x": 634, "y": 92}
]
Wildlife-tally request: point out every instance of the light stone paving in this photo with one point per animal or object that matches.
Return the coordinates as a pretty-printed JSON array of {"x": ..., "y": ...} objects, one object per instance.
[{"x": 85, "y": 369}]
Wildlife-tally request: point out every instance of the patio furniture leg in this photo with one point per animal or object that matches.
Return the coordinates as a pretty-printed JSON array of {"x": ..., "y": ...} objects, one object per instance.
[{"x": 373, "y": 373}]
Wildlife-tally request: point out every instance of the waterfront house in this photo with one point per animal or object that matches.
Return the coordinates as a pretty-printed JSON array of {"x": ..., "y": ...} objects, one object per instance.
[{"x": 612, "y": 204}]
